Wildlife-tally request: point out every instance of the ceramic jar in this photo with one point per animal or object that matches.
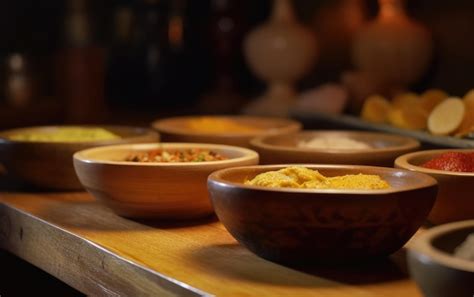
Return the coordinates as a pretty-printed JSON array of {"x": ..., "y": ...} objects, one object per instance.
[
  {"x": 279, "y": 52},
  {"x": 393, "y": 49}
]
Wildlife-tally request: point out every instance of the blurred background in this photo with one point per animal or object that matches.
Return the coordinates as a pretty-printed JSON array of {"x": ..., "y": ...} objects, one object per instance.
[{"x": 111, "y": 61}]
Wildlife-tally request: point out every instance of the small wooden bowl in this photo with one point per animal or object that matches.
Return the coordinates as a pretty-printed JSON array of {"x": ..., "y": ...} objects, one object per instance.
[
  {"x": 314, "y": 225},
  {"x": 283, "y": 149},
  {"x": 177, "y": 130},
  {"x": 455, "y": 201},
  {"x": 434, "y": 267},
  {"x": 154, "y": 190},
  {"x": 49, "y": 164}
]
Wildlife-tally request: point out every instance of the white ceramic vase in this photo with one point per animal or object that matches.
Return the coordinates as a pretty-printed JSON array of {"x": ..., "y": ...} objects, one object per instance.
[{"x": 279, "y": 52}]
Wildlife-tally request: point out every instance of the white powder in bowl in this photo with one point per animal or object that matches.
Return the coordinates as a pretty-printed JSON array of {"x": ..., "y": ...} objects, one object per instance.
[{"x": 342, "y": 143}]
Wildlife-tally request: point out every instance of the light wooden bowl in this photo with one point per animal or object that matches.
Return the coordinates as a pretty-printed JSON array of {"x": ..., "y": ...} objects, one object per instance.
[
  {"x": 314, "y": 225},
  {"x": 176, "y": 129},
  {"x": 455, "y": 201},
  {"x": 154, "y": 190},
  {"x": 434, "y": 267},
  {"x": 281, "y": 149},
  {"x": 49, "y": 164}
]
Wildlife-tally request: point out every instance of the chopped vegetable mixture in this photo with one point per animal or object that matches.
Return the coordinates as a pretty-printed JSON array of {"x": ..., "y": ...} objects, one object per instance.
[{"x": 188, "y": 155}]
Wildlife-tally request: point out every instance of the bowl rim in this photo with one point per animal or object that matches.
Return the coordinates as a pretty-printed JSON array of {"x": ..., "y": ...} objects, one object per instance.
[
  {"x": 288, "y": 124},
  {"x": 246, "y": 154},
  {"x": 422, "y": 245},
  {"x": 216, "y": 177},
  {"x": 403, "y": 161},
  {"x": 410, "y": 143},
  {"x": 145, "y": 132}
]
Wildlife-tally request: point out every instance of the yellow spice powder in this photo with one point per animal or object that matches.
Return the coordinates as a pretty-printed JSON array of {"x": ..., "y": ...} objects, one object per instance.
[
  {"x": 66, "y": 134},
  {"x": 304, "y": 178},
  {"x": 220, "y": 125}
]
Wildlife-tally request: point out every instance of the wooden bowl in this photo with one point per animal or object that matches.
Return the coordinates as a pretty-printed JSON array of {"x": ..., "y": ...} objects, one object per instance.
[
  {"x": 177, "y": 129},
  {"x": 49, "y": 164},
  {"x": 314, "y": 225},
  {"x": 434, "y": 267},
  {"x": 455, "y": 201},
  {"x": 154, "y": 190},
  {"x": 281, "y": 149}
]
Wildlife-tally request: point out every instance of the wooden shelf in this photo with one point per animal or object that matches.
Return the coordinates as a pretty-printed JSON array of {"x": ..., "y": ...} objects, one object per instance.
[{"x": 82, "y": 243}]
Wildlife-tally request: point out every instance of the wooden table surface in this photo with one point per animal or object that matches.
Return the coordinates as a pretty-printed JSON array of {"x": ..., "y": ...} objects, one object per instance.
[{"x": 82, "y": 243}]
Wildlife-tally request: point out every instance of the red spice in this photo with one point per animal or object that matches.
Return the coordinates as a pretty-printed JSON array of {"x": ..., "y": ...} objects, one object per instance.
[{"x": 452, "y": 161}]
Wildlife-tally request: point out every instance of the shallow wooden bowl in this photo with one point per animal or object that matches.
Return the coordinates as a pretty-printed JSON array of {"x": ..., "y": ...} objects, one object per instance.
[
  {"x": 154, "y": 190},
  {"x": 434, "y": 267},
  {"x": 176, "y": 129},
  {"x": 281, "y": 149},
  {"x": 310, "y": 225},
  {"x": 49, "y": 164},
  {"x": 455, "y": 199}
]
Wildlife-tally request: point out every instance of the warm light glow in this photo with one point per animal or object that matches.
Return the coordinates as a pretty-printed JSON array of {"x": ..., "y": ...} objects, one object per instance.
[{"x": 175, "y": 31}]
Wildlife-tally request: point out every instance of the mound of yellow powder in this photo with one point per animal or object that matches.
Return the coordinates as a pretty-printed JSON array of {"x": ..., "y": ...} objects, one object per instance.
[
  {"x": 220, "y": 125},
  {"x": 66, "y": 134},
  {"x": 304, "y": 178}
]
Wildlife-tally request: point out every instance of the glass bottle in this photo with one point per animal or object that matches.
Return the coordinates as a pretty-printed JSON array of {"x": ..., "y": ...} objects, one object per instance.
[
  {"x": 150, "y": 43},
  {"x": 81, "y": 67},
  {"x": 122, "y": 77},
  {"x": 19, "y": 84},
  {"x": 226, "y": 31}
]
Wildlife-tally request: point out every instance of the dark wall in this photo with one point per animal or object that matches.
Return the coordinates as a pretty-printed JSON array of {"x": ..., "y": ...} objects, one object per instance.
[{"x": 36, "y": 30}]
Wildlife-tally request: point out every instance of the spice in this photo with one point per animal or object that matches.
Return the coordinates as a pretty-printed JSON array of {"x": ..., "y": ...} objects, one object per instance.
[
  {"x": 65, "y": 134},
  {"x": 301, "y": 177},
  {"x": 452, "y": 161},
  {"x": 340, "y": 143},
  {"x": 189, "y": 155},
  {"x": 220, "y": 125}
]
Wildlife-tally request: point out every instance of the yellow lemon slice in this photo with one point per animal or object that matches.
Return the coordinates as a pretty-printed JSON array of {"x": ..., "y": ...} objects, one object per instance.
[
  {"x": 469, "y": 94},
  {"x": 467, "y": 124},
  {"x": 405, "y": 99},
  {"x": 375, "y": 109},
  {"x": 430, "y": 98},
  {"x": 447, "y": 116},
  {"x": 408, "y": 118},
  {"x": 396, "y": 118},
  {"x": 415, "y": 117}
]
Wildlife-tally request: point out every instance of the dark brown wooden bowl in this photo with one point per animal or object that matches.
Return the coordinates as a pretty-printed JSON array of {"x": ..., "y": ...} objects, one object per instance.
[
  {"x": 49, "y": 164},
  {"x": 434, "y": 267},
  {"x": 309, "y": 225},
  {"x": 176, "y": 130},
  {"x": 283, "y": 148}
]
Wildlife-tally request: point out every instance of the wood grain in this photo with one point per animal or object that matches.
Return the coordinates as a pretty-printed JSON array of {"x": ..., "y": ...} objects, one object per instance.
[{"x": 84, "y": 244}]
